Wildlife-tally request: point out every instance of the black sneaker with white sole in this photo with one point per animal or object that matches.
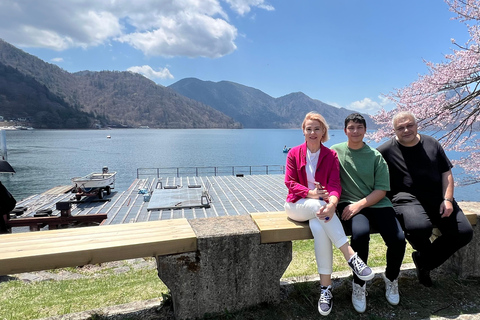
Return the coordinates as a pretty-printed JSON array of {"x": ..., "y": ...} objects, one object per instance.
[
  {"x": 325, "y": 303},
  {"x": 361, "y": 270},
  {"x": 422, "y": 273}
]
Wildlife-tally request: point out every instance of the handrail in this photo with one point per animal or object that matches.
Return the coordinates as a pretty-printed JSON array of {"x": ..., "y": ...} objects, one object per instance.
[{"x": 209, "y": 171}]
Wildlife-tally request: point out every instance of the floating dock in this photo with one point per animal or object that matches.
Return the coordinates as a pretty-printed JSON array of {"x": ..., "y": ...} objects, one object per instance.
[{"x": 152, "y": 199}]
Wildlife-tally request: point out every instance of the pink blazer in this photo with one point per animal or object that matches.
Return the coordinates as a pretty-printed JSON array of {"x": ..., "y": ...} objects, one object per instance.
[{"x": 327, "y": 173}]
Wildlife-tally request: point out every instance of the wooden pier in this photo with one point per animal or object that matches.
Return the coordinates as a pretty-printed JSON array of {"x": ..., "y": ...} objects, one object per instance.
[{"x": 227, "y": 196}]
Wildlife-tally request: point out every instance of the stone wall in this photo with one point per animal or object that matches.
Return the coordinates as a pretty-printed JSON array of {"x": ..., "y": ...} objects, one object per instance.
[
  {"x": 466, "y": 261},
  {"x": 231, "y": 269}
]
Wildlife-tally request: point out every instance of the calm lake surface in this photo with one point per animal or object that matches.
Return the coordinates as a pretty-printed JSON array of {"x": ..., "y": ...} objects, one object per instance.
[{"x": 44, "y": 159}]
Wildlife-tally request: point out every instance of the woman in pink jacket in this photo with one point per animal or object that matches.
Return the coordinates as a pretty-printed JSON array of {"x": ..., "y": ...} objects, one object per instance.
[{"x": 313, "y": 180}]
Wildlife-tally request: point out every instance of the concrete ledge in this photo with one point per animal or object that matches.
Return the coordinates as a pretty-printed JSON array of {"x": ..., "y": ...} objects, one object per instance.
[
  {"x": 466, "y": 261},
  {"x": 231, "y": 270}
]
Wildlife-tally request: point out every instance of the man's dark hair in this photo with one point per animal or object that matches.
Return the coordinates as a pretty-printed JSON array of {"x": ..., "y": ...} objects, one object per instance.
[{"x": 357, "y": 118}]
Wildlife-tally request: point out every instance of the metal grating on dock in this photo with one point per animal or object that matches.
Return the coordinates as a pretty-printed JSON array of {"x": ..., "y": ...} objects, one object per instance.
[{"x": 228, "y": 196}]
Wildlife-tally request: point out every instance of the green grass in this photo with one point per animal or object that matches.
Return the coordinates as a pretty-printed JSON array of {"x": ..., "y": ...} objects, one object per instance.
[
  {"x": 304, "y": 264},
  {"x": 32, "y": 300}
]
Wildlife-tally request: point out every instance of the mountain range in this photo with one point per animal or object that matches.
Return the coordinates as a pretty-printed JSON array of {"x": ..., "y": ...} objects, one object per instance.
[{"x": 50, "y": 97}]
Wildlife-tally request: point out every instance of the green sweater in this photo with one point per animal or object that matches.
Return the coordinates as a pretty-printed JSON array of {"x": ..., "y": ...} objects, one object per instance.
[{"x": 361, "y": 172}]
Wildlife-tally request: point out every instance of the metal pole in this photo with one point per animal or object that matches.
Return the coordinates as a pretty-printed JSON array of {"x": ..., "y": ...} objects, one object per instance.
[{"x": 3, "y": 144}]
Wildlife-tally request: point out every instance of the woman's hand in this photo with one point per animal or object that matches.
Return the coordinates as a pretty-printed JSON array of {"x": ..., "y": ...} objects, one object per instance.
[
  {"x": 316, "y": 193},
  {"x": 319, "y": 192},
  {"x": 326, "y": 212}
]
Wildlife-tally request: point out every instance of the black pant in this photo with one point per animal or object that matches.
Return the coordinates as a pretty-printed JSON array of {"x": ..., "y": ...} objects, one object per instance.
[
  {"x": 3, "y": 224},
  {"x": 384, "y": 221},
  {"x": 417, "y": 220}
]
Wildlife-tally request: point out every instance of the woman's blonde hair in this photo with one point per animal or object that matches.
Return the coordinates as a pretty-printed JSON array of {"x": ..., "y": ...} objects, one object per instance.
[{"x": 312, "y": 115}]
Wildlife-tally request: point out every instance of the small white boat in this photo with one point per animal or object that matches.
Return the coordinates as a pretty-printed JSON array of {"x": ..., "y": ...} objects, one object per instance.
[{"x": 94, "y": 184}]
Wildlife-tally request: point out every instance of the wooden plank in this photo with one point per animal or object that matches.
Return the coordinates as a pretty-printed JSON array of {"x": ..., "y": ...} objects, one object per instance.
[
  {"x": 95, "y": 246},
  {"x": 277, "y": 227},
  {"x": 471, "y": 216},
  {"x": 97, "y": 239},
  {"x": 69, "y": 232},
  {"x": 59, "y": 190},
  {"x": 75, "y": 236}
]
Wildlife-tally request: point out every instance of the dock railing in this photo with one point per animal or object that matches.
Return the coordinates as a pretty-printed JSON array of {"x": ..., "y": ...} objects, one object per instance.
[{"x": 209, "y": 171}]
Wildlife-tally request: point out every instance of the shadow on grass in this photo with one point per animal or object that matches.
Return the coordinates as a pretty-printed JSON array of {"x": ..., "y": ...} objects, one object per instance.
[{"x": 449, "y": 297}]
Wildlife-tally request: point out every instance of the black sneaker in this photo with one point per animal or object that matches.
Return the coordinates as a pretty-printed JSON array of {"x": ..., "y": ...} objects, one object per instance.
[
  {"x": 423, "y": 274},
  {"x": 325, "y": 303},
  {"x": 359, "y": 267}
]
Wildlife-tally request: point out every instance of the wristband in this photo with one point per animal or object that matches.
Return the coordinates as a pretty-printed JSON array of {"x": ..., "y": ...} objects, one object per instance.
[{"x": 448, "y": 199}]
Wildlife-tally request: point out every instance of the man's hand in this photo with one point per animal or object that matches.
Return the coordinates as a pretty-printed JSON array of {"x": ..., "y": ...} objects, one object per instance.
[
  {"x": 446, "y": 208},
  {"x": 350, "y": 211}
]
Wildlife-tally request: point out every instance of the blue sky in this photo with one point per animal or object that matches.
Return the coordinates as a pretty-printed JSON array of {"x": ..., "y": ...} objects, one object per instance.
[{"x": 344, "y": 53}]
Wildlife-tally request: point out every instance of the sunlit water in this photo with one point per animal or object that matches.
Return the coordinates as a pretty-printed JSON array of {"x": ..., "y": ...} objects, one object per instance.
[{"x": 47, "y": 158}]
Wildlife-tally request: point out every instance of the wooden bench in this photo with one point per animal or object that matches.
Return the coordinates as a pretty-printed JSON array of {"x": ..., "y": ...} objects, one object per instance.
[
  {"x": 277, "y": 227},
  {"x": 35, "y": 251}
]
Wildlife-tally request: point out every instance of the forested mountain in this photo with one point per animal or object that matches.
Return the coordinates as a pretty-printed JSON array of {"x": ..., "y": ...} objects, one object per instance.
[
  {"x": 256, "y": 109},
  {"x": 109, "y": 97},
  {"x": 51, "y": 97},
  {"x": 22, "y": 96}
]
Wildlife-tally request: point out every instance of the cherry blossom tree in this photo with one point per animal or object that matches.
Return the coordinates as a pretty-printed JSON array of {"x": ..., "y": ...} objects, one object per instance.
[{"x": 446, "y": 101}]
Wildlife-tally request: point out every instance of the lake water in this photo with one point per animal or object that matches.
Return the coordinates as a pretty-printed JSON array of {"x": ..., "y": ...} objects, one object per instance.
[{"x": 44, "y": 159}]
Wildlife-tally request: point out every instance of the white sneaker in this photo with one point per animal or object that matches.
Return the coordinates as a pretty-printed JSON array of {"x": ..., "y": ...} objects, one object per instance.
[
  {"x": 359, "y": 297},
  {"x": 391, "y": 290}
]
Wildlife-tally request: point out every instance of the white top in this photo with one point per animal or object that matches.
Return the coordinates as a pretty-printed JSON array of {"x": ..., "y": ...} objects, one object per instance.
[{"x": 312, "y": 161}]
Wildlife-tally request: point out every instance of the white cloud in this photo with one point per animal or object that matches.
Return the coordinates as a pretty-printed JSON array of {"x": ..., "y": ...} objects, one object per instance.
[
  {"x": 244, "y": 6},
  {"x": 156, "y": 27},
  {"x": 148, "y": 72},
  {"x": 188, "y": 35},
  {"x": 368, "y": 105},
  {"x": 57, "y": 60}
]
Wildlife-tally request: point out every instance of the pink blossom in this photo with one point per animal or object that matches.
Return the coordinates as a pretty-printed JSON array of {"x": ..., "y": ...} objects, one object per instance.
[{"x": 446, "y": 101}]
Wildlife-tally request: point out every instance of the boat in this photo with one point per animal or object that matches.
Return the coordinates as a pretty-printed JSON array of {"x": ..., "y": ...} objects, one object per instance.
[{"x": 94, "y": 184}]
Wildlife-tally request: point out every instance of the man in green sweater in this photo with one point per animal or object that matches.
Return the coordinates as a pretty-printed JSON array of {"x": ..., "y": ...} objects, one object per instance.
[{"x": 363, "y": 204}]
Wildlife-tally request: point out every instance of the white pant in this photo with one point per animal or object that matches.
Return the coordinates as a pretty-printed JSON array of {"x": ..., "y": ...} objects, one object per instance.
[{"x": 324, "y": 233}]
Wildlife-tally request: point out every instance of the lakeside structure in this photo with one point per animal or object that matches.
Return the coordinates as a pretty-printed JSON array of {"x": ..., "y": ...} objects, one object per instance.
[
  {"x": 222, "y": 196},
  {"x": 230, "y": 249}
]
